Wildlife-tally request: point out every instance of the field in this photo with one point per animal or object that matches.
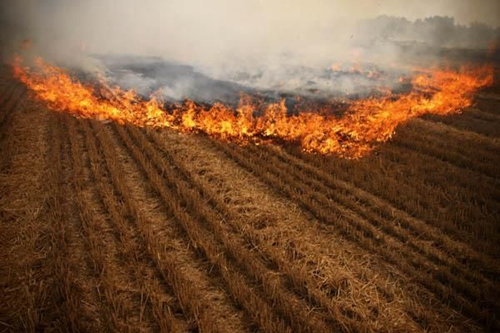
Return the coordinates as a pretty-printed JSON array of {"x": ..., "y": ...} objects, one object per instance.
[{"x": 118, "y": 228}]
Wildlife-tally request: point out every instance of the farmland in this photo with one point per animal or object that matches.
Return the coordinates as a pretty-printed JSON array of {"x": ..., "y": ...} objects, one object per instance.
[{"x": 109, "y": 227}]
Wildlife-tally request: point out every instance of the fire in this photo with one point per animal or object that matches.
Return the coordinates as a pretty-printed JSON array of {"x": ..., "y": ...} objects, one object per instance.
[
  {"x": 336, "y": 67},
  {"x": 356, "y": 68},
  {"x": 365, "y": 123}
]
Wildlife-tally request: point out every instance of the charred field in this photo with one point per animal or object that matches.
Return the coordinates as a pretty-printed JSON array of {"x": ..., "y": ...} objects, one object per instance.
[{"x": 109, "y": 227}]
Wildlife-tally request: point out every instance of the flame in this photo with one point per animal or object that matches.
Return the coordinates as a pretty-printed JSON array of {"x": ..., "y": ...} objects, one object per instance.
[
  {"x": 356, "y": 68},
  {"x": 364, "y": 124},
  {"x": 336, "y": 67}
]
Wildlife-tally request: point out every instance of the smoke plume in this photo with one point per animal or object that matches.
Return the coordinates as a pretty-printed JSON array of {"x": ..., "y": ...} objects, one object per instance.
[{"x": 210, "y": 50}]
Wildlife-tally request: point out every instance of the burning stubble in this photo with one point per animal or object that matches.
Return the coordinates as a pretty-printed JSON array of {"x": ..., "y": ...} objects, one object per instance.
[
  {"x": 364, "y": 123},
  {"x": 324, "y": 75}
]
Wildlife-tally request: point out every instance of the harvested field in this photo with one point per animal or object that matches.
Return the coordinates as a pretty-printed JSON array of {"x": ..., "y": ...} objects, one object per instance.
[{"x": 111, "y": 228}]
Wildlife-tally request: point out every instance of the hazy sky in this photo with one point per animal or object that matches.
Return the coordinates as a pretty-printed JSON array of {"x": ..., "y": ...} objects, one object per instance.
[{"x": 201, "y": 31}]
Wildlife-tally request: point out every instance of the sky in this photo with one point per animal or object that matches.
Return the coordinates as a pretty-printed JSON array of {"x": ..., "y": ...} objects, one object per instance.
[{"x": 213, "y": 31}]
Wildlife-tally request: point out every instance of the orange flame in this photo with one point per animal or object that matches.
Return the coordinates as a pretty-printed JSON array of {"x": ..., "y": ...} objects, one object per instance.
[
  {"x": 356, "y": 68},
  {"x": 336, "y": 67},
  {"x": 365, "y": 123}
]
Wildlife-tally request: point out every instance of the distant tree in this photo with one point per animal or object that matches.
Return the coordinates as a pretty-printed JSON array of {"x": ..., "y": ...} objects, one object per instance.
[
  {"x": 439, "y": 31},
  {"x": 480, "y": 34}
]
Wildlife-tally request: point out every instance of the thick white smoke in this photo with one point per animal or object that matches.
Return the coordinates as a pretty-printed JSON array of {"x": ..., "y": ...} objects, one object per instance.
[{"x": 266, "y": 44}]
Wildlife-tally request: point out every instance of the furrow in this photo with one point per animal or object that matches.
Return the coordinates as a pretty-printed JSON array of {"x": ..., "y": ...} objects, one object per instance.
[
  {"x": 175, "y": 196},
  {"x": 192, "y": 288},
  {"x": 356, "y": 229},
  {"x": 65, "y": 309},
  {"x": 142, "y": 303},
  {"x": 298, "y": 279},
  {"x": 25, "y": 275},
  {"x": 468, "y": 151},
  {"x": 230, "y": 231},
  {"x": 419, "y": 235},
  {"x": 8, "y": 108},
  {"x": 103, "y": 250},
  {"x": 400, "y": 185},
  {"x": 486, "y": 128}
]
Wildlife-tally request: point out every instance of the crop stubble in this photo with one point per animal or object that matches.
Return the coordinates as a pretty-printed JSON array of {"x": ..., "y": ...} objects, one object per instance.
[{"x": 116, "y": 228}]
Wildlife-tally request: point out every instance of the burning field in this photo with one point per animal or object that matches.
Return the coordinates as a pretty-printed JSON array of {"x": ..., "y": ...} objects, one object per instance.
[
  {"x": 249, "y": 166},
  {"x": 314, "y": 126},
  {"x": 122, "y": 212}
]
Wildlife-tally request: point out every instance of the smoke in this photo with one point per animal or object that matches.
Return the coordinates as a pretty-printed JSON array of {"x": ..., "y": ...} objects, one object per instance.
[{"x": 262, "y": 44}]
